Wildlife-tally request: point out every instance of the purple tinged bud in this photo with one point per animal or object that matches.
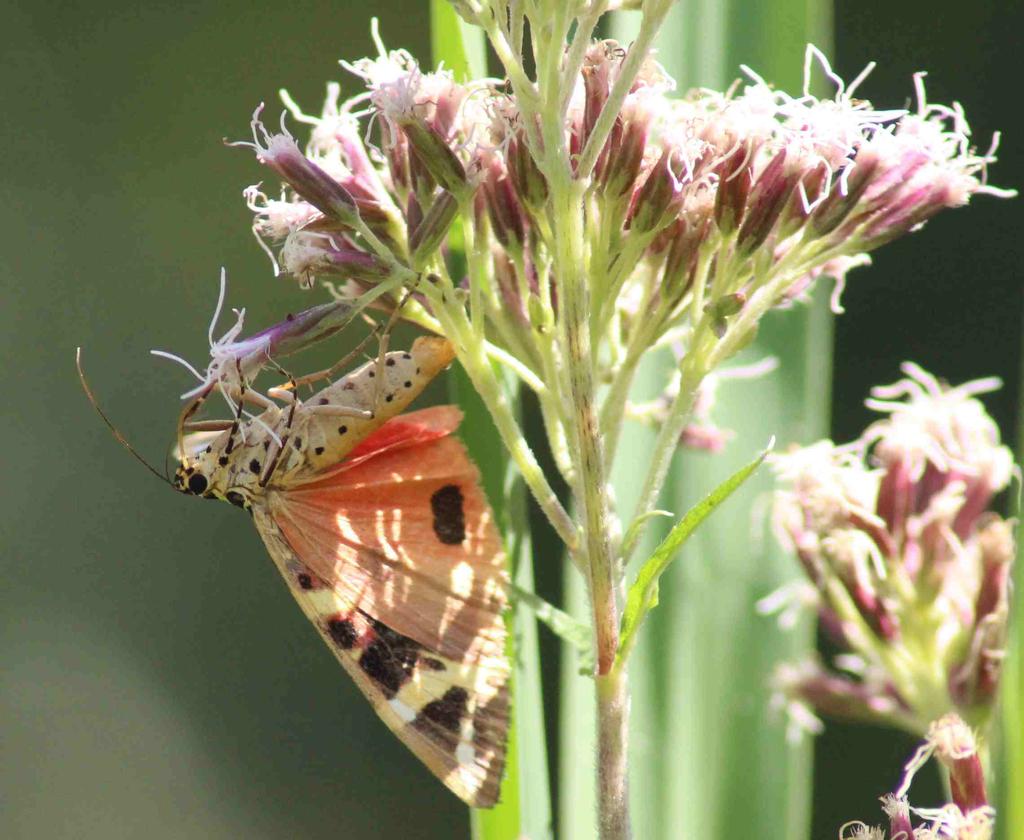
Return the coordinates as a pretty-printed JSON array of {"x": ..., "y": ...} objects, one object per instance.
[
  {"x": 503, "y": 208},
  {"x": 897, "y": 495},
  {"x": 913, "y": 208},
  {"x": 837, "y": 696},
  {"x": 436, "y": 155},
  {"x": 834, "y": 210},
  {"x": 897, "y": 809},
  {"x": 957, "y": 750},
  {"x": 396, "y": 153},
  {"x": 526, "y": 177},
  {"x": 978, "y": 493},
  {"x": 430, "y": 233},
  {"x": 307, "y": 179},
  {"x": 623, "y": 165},
  {"x": 807, "y": 191},
  {"x": 299, "y": 331},
  {"x": 975, "y": 681},
  {"x": 350, "y": 262},
  {"x": 309, "y": 255},
  {"x": 508, "y": 287},
  {"x": 596, "y": 73},
  {"x": 995, "y": 541},
  {"x": 734, "y": 180},
  {"x": 767, "y": 201},
  {"x": 658, "y": 200},
  {"x": 296, "y": 332},
  {"x": 681, "y": 259},
  {"x": 413, "y": 215}
]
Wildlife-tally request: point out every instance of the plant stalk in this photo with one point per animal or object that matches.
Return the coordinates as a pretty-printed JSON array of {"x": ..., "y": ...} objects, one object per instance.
[{"x": 612, "y": 769}]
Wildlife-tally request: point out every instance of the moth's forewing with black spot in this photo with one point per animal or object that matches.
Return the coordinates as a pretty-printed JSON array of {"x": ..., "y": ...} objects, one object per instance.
[
  {"x": 381, "y": 530},
  {"x": 398, "y": 563}
]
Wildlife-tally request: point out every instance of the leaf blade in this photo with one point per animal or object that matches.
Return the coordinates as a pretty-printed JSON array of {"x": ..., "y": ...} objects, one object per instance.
[{"x": 643, "y": 592}]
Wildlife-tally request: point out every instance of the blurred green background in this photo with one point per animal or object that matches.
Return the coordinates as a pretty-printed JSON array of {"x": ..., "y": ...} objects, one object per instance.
[{"x": 156, "y": 679}]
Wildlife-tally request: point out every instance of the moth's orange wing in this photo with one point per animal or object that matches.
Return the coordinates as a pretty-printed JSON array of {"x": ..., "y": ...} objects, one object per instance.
[
  {"x": 403, "y": 541},
  {"x": 403, "y": 431},
  {"x": 452, "y": 715},
  {"x": 408, "y": 536}
]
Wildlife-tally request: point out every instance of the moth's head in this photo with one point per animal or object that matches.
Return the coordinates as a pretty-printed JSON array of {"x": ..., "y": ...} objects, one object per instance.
[
  {"x": 194, "y": 474},
  {"x": 203, "y": 470},
  {"x": 191, "y": 480}
]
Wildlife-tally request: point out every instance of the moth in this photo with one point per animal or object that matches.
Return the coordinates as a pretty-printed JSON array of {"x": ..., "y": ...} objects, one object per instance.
[{"x": 377, "y": 522}]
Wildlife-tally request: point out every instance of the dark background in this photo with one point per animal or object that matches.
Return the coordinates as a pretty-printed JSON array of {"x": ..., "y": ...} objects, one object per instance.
[{"x": 155, "y": 679}]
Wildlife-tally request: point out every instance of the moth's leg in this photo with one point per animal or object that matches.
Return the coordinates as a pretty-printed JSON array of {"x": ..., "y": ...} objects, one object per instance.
[
  {"x": 326, "y": 373},
  {"x": 207, "y": 425},
  {"x": 237, "y": 422},
  {"x": 254, "y": 397},
  {"x": 275, "y": 459},
  {"x": 190, "y": 409},
  {"x": 382, "y": 350}
]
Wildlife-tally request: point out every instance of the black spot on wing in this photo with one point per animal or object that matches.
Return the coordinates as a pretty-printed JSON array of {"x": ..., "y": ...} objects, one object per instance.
[
  {"x": 342, "y": 631},
  {"x": 449, "y": 517},
  {"x": 390, "y": 659},
  {"x": 447, "y": 712}
]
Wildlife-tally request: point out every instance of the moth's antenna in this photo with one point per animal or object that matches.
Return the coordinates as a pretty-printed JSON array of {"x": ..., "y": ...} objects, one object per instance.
[{"x": 113, "y": 429}]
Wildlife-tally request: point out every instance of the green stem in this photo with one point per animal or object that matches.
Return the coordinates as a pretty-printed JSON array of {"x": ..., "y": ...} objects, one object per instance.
[
  {"x": 474, "y": 360},
  {"x": 666, "y": 445}
]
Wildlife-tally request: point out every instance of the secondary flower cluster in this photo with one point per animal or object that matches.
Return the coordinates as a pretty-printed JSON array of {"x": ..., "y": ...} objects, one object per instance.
[
  {"x": 967, "y": 817},
  {"x": 908, "y": 571},
  {"x": 698, "y": 208}
]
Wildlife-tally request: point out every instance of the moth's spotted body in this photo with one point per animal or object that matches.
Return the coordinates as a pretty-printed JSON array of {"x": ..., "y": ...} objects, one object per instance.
[{"x": 379, "y": 526}]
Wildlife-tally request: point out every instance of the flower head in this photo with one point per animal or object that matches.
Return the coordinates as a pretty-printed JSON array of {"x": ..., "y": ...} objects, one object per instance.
[{"x": 912, "y": 574}]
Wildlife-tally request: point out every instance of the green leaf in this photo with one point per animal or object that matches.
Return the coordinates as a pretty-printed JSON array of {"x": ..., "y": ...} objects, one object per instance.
[
  {"x": 643, "y": 594},
  {"x": 563, "y": 625},
  {"x": 459, "y": 45}
]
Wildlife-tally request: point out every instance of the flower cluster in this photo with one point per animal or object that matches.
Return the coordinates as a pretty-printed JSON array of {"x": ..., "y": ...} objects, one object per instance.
[
  {"x": 967, "y": 817},
  {"x": 699, "y": 208},
  {"x": 908, "y": 571}
]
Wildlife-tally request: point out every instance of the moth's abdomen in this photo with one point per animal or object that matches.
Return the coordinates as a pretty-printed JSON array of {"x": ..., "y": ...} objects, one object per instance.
[{"x": 332, "y": 426}]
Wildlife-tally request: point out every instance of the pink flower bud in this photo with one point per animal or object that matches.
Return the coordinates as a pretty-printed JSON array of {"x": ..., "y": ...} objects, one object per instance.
[
  {"x": 307, "y": 256},
  {"x": 282, "y": 154},
  {"x": 768, "y": 199},
  {"x": 660, "y": 197},
  {"x": 526, "y": 177},
  {"x": 734, "y": 181},
  {"x": 897, "y": 809},
  {"x": 619, "y": 172},
  {"x": 955, "y": 747},
  {"x": 436, "y": 156},
  {"x": 508, "y": 286},
  {"x": 503, "y": 208},
  {"x": 426, "y": 239},
  {"x": 685, "y": 239},
  {"x": 996, "y": 544}
]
